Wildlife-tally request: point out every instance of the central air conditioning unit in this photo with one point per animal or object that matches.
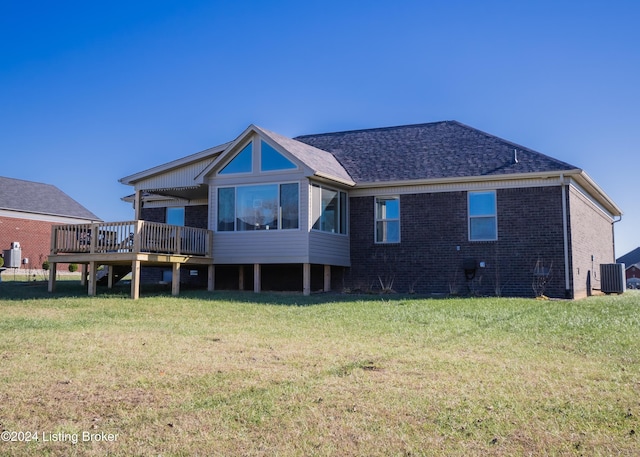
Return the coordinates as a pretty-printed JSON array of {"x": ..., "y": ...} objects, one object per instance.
[
  {"x": 13, "y": 256},
  {"x": 612, "y": 278}
]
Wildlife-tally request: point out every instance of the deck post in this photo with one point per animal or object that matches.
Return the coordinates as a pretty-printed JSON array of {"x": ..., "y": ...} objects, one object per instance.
[
  {"x": 93, "y": 241},
  {"x": 241, "y": 277},
  {"x": 306, "y": 279},
  {"x": 137, "y": 236},
  {"x": 256, "y": 278},
  {"x": 178, "y": 241},
  {"x": 327, "y": 278},
  {"x": 135, "y": 279},
  {"x": 175, "y": 279},
  {"x": 137, "y": 203},
  {"x": 83, "y": 274},
  {"x": 53, "y": 269},
  {"x": 109, "y": 276},
  {"x": 54, "y": 240},
  {"x": 92, "y": 278},
  {"x": 211, "y": 278}
]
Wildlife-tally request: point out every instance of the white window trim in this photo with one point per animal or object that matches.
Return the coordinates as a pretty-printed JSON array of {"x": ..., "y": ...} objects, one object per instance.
[
  {"x": 494, "y": 214},
  {"x": 376, "y": 220}
]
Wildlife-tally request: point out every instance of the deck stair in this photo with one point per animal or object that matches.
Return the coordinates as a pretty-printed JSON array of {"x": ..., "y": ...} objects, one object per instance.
[{"x": 119, "y": 272}]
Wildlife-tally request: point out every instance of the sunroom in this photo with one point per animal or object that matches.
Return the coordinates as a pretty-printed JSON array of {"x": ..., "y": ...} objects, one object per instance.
[{"x": 278, "y": 209}]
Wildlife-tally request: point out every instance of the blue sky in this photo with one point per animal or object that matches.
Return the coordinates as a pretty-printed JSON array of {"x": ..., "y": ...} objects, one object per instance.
[{"x": 94, "y": 91}]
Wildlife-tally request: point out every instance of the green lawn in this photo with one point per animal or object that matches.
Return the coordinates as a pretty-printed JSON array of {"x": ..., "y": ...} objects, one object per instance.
[{"x": 281, "y": 374}]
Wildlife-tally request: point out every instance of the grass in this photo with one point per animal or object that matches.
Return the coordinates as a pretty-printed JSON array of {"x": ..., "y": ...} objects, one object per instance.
[{"x": 282, "y": 374}]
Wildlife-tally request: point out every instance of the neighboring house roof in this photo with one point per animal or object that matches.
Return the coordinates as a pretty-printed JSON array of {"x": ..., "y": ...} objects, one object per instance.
[
  {"x": 630, "y": 258},
  {"x": 435, "y": 150},
  {"x": 38, "y": 198}
]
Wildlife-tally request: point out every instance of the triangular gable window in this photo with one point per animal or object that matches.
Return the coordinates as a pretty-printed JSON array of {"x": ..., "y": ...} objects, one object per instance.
[
  {"x": 241, "y": 163},
  {"x": 272, "y": 160}
]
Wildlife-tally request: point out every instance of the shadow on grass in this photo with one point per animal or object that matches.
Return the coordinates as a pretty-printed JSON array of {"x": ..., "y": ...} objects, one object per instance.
[{"x": 37, "y": 290}]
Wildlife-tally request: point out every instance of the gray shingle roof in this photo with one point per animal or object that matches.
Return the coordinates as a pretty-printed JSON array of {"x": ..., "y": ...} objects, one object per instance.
[
  {"x": 630, "y": 258},
  {"x": 39, "y": 198},
  {"x": 435, "y": 150}
]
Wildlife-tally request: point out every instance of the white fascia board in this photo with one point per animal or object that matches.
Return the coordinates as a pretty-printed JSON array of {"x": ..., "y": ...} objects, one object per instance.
[
  {"x": 327, "y": 177},
  {"x": 596, "y": 192}
]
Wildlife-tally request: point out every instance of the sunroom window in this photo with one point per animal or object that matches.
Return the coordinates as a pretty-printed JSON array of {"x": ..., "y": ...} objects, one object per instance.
[
  {"x": 329, "y": 209},
  {"x": 272, "y": 160},
  {"x": 258, "y": 207},
  {"x": 241, "y": 163},
  {"x": 483, "y": 220},
  {"x": 387, "y": 219}
]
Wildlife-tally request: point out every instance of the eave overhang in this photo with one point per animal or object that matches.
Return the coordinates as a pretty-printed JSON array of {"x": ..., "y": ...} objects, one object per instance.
[{"x": 577, "y": 174}]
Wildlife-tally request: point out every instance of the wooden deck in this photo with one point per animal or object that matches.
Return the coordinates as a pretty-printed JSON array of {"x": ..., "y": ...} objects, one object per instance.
[{"x": 133, "y": 243}]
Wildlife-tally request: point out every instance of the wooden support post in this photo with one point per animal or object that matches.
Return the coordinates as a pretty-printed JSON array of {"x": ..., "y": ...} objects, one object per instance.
[
  {"x": 83, "y": 274},
  {"x": 257, "y": 285},
  {"x": 92, "y": 278},
  {"x": 306, "y": 279},
  {"x": 327, "y": 278},
  {"x": 241, "y": 277},
  {"x": 175, "y": 279},
  {"x": 137, "y": 236},
  {"x": 137, "y": 204},
  {"x": 211, "y": 278},
  {"x": 135, "y": 279},
  {"x": 109, "y": 276},
  {"x": 54, "y": 240},
  {"x": 53, "y": 269},
  {"x": 178, "y": 241},
  {"x": 93, "y": 243}
]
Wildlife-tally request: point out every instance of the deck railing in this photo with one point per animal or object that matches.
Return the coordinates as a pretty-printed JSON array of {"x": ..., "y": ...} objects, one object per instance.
[{"x": 130, "y": 236}]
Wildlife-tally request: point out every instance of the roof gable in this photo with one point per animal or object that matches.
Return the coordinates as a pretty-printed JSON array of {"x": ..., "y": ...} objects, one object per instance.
[
  {"x": 313, "y": 161},
  {"x": 38, "y": 198},
  {"x": 436, "y": 150}
]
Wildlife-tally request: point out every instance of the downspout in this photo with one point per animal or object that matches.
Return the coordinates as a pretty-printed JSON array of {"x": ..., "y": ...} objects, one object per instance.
[
  {"x": 565, "y": 231},
  {"x": 613, "y": 236}
]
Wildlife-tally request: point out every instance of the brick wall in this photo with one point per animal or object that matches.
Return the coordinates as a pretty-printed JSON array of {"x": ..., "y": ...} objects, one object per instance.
[
  {"x": 591, "y": 243},
  {"x": 34, "y": 238},
  {"x": 434, "y": 244},
  {"x": 196, "y": 216}
]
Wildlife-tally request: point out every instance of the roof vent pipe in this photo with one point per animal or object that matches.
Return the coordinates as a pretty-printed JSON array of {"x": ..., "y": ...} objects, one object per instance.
[{"x": 515, "y": 156}]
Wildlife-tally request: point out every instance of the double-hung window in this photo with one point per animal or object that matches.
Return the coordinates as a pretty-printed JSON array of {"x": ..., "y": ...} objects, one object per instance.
[
  {"x": 483, "y": 219},
  {"x": 387, "y": 219}
]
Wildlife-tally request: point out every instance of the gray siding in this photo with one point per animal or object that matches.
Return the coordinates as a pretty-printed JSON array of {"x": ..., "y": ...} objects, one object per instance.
[
  {"x": 329, "y": 249},
  {"x": 265, "y": 246}
]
